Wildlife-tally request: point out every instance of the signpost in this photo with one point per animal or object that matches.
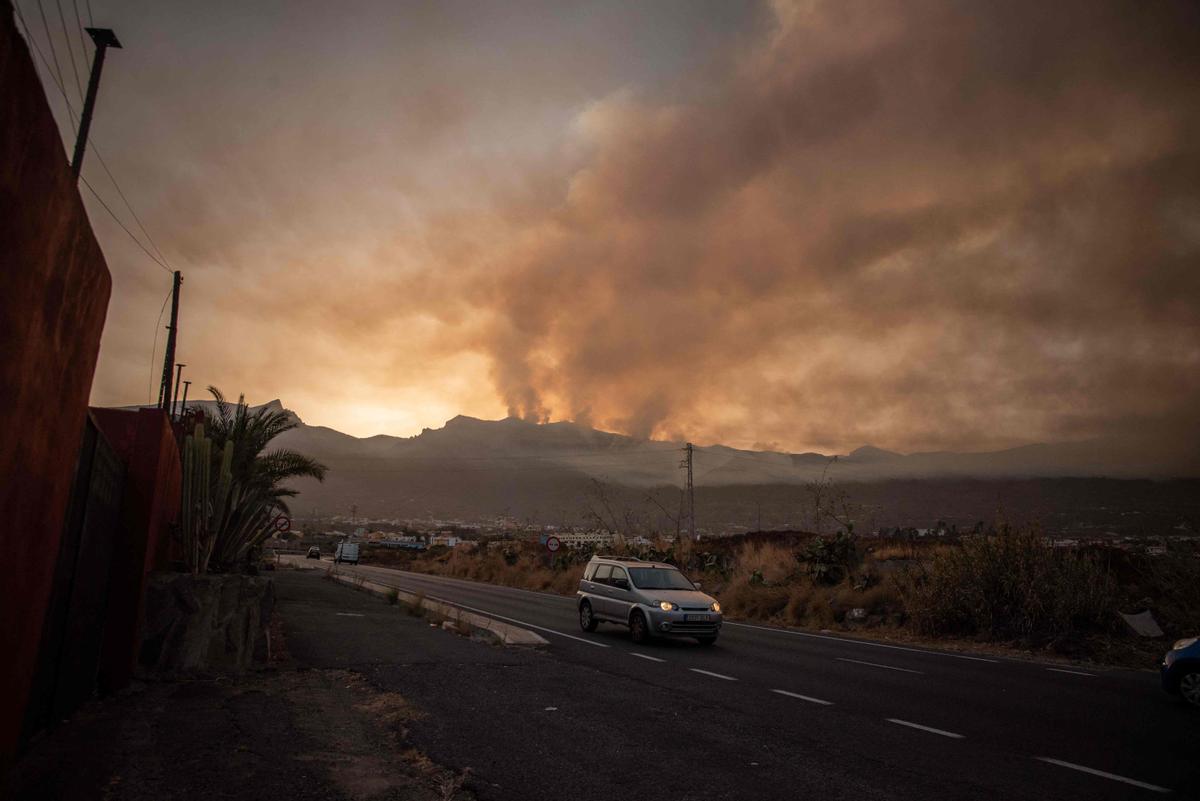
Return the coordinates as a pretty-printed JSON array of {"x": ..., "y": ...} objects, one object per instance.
[{"x": 552, "y": 545}]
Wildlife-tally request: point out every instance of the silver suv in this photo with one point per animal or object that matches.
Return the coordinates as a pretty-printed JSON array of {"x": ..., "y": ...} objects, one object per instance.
[{"x": 651, "y": 598}]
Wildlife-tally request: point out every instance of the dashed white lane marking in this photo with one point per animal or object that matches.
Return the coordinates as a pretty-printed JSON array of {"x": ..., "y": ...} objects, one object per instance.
[
  {"x": 929, "y": 729},
  {"x": 1103, "y": 774},
  {"x": 846, "y": 640},
  {"x": 808, "y": 698},
  {"x": 1072, "y": 672},
  {"x": 350, "y": 614},
  {"x": 876, "y": 664},
  {"x": 646, "y": 656},
  {"x": 714, "y": 675}
]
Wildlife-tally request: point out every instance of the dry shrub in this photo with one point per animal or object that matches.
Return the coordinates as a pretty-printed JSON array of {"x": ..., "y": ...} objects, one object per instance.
[
  {"x": 744, "y": 600},
  {"x": 1009, "y": 586},
  {"x": 773, "y": 562},
  {"x": 524, "y": 567},
  {"x": 1174, "y": 580}
]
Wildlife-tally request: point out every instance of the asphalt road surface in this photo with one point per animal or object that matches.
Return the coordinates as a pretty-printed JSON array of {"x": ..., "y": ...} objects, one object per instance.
[{"x": 765, "y": 713}]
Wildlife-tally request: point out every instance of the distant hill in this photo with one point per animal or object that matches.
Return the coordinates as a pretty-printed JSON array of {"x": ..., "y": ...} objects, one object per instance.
[
  {"x": 513, "y": 443},
  {"x": 474, "y": 469}
]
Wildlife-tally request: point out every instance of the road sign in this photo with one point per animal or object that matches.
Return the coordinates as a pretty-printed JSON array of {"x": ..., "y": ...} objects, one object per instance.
[
  {"x": 282, "y": 523},
  {"x": 553, "y": 544}
]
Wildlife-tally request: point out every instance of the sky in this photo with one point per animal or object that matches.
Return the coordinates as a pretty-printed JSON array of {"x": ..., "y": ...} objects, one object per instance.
[{"x": 794, "y": 225}]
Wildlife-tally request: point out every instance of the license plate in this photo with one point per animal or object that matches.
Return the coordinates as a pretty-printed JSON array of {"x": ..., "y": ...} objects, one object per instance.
[{"x": 698, "y": 618}]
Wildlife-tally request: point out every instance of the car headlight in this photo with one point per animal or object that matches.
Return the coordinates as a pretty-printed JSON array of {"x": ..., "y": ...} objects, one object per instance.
[
  {"x": 716, "y": 606},
  {"x": 1185, "y": 643},
  {"x": 667, "y": 606}
]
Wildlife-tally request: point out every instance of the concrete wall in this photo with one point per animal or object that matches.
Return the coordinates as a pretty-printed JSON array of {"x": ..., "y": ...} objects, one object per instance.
[{"x": 54, "y": 290}]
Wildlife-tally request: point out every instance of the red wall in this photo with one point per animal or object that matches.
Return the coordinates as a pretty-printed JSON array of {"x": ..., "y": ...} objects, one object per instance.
[
  {"x": 54, "y": 290},
  {"x": 146, "y": 444}
]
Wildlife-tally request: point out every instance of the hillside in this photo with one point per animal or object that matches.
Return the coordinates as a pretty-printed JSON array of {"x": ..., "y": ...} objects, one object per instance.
[{"x": 564, "y": 473}]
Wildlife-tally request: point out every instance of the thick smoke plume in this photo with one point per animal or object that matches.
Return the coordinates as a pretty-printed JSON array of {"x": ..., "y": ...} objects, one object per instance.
[{"x": 926, "y": 225}]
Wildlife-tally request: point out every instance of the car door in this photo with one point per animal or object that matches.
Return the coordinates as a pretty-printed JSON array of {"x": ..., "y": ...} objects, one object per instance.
[
  {"x": 599, "y": 591},
  {"x": 620, "y": 597}
]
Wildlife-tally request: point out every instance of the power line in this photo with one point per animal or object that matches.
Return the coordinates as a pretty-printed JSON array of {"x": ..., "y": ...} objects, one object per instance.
[
  {"x": 79, "y": 29},
  {"x": 154, "y": 347},
  {"x": 117, "y": 219},
  {"x": 129, "y": 206},
  {"x": 50, "y": 42},
  {"x": 160, "y": 260},
  {"x": 62, "y": 19}
]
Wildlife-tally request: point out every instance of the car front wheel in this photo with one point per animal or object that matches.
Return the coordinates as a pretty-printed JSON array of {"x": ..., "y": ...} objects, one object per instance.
[
  {"x": 1189, "y": 687},
  {"x": 587, "y": 621},
  {"x": 637, "y": 628}
]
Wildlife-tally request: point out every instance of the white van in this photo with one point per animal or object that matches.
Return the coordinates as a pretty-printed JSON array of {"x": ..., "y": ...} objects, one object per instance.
[{"x": 346, "y": 552}]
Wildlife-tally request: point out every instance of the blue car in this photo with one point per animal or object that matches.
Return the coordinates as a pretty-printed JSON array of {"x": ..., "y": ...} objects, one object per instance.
[{"x": 1181, "y": 670}]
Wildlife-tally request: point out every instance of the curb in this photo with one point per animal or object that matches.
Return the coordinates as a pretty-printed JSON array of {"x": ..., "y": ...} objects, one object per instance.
[{"x": 481, "y": 626}]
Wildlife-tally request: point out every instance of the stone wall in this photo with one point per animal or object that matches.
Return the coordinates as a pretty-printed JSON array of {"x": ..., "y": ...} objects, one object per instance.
[{"x": 206, "y": 624}]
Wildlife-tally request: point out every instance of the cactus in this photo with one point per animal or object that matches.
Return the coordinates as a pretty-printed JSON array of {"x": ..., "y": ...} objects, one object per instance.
[{"x": 231, "y": 488}]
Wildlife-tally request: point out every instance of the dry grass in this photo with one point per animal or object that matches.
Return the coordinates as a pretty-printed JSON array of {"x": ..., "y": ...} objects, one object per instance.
[
  {"x": 523, "y": 568},
  {"x": 769, "y": 562},
  {"x": 1009, "y": 587}
]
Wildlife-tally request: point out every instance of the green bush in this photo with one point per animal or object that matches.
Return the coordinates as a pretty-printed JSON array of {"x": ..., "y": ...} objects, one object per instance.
[
  {"x": 1009, "y": 586},
  {"x": 829, "y": 561}
]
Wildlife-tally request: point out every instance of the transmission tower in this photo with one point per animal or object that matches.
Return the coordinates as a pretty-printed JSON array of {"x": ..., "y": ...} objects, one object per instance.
[{"x": 691, "y": 490}]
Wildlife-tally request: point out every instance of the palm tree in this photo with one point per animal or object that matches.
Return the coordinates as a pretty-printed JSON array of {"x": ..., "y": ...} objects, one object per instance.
[{"x": 233, "y": 486}]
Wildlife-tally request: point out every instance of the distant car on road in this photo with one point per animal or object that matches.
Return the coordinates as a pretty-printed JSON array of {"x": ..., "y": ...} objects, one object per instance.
[
  {"x": 651, "y": 598},
  {"x": 1181, "y": 670},
  {"x": 346, "y": 552},
  {"x": 314, "y": 552}
]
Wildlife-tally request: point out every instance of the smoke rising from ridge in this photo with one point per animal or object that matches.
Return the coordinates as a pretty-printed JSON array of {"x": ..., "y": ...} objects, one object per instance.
[{"x": 923, "y": 225}]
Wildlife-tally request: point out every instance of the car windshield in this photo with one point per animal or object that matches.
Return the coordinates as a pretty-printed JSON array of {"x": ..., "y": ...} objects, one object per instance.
[{"x": 659, "y": 578}]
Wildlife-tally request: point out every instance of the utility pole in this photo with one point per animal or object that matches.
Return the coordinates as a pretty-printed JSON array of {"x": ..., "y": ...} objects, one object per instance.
[
  {"x": 178, "y": 376},
  {"x": 691, "y": 491},
  {"x": 104, "y": 39},
  {"x": 183, "y": 403},
  {"x": 164, "y": 390}
]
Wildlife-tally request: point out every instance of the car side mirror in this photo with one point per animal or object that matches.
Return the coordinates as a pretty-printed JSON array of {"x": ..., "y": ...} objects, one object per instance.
[
  {"x": 697, "y": 584},
  {"x": 621, "y": 584}
]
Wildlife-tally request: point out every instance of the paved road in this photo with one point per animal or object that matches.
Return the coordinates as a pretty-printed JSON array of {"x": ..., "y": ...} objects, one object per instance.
[{"x": 786, "y": 710}]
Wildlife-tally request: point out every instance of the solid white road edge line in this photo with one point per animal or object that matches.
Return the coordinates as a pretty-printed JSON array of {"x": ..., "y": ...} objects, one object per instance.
[
  {"x": 518, "y": 622},
  {"x": 434, "y": 578},
  {"x": 1103, "y": 774},
  {"x": 808, "y": 698},
  {"x": 929, "y": 729},
  {"x": 1072, "y": 672},
  {"x": 862, "y": 642},
  {"x": 714, "y": 675},
  {"x": 646, "y": 656},
  {"x": 876, "y": 664}
]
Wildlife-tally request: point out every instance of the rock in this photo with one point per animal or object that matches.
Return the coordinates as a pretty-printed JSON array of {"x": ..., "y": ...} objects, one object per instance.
[
  {"x": 1143, "y": 624},
  {"x": 857, "y": 614}
]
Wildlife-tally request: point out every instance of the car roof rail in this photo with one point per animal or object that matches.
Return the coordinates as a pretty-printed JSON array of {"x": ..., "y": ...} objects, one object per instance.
[{"x": 617, "y": 558}]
